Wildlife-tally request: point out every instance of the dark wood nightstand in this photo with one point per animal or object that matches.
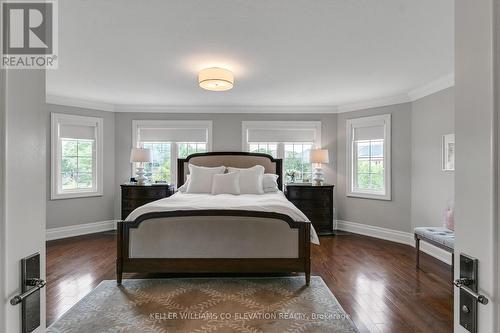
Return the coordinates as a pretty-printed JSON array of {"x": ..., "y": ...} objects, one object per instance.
[
  {"x": 316, "y": 202},
  {"x": 134, "y": 196}
]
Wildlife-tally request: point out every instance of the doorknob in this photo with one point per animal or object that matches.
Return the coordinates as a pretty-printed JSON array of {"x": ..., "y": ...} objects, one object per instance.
[
  {"x": 37, "y": 284},
  {"x": 480, "y": 298},
  {"x": 31, "y": 283},
  {"x": 469, "y": 297}
]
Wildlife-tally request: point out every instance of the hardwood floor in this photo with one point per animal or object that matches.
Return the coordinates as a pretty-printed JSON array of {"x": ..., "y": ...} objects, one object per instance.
[{"x": 374, "y": 280}]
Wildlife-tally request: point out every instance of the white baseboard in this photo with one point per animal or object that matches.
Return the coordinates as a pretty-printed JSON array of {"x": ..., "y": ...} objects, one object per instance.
[
  {"x": 80, "y": 229},
  {"x": 394, "y": 236},
  {"x": 356, "y": 228}
]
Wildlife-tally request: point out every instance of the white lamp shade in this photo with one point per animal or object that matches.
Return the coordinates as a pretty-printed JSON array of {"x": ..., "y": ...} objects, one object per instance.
[
  {"x": 216, "y": 79},
  {"x": 319, "y": 156},
  {"x": 140, "y": 155}
]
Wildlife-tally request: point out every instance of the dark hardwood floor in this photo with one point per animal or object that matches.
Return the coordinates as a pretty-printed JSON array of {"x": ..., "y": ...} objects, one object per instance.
[{"x": 374, "y": 280}]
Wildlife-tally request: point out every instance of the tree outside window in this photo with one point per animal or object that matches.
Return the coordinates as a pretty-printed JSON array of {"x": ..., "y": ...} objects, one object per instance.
[
  {"x": 370, "y": 165},
  {"x": 187, "y": 148},
  {"x": 160, "y": 169},
  {"x": 297, "y": 162},
  {"x": 76, "y": 164},
  {"x": 297, "y": 167},
  {"x": 264, "y": 148}
]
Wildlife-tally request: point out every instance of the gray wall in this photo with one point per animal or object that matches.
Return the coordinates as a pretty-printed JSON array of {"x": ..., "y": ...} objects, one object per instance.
[
  {"x": 432, "y": 117},
  {"x": 394, "y": 214},
  {"x": 416, "y": 130},
  {"x": 66, "y": 212},
  {"x": 226, "y": 136}
]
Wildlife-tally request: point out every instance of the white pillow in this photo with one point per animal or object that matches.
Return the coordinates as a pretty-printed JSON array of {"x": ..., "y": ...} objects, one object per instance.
[
  {"x": 227, "y": 183},
  {"x": 184, "y": 187},
  {"x": 250, "y": 179},
  {"x": 200, "y": 180},
  {"x": 270, "y": 182}
]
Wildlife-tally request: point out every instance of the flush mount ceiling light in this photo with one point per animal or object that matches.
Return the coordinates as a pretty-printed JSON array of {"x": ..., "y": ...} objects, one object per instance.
[{"x": 216, "y": 79}]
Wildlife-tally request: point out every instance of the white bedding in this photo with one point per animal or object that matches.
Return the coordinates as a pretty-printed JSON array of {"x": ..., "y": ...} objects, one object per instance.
[{"x": 269, "y": 202}]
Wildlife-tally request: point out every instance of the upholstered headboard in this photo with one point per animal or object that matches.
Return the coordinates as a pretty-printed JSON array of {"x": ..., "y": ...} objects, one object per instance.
[{"x": 229, "y": 159}]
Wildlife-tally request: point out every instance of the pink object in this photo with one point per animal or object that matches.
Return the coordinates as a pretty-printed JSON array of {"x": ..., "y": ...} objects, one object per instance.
[{"x": 449, "y": 217}]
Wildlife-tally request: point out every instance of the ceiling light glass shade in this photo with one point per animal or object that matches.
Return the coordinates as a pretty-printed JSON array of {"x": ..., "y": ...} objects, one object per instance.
[{"x": 216, "y": 79}]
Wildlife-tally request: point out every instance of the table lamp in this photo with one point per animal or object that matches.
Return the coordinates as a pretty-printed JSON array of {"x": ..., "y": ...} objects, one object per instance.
[
  {"x": 140, "y": 155},
  {"x": 318, "y": 156}
]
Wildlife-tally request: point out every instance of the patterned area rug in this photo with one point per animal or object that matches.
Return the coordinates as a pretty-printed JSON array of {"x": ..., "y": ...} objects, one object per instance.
[{"x": 250, "y": 305}]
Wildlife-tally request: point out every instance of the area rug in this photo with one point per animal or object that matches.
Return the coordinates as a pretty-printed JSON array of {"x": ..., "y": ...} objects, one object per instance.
[{"x": 199, "y": 305}]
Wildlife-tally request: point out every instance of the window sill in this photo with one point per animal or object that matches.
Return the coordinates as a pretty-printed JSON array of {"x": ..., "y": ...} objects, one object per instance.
[
  {"x": 75, "y": 195},
  {"x": 370, "y": 196}
]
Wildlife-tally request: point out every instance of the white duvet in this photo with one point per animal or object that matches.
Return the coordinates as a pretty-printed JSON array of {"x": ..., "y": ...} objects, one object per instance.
[{"x": 269, "y": 202}]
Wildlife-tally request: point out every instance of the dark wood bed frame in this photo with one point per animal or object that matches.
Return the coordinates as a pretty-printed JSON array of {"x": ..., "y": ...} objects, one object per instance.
[{"x": 125, "y": 264}]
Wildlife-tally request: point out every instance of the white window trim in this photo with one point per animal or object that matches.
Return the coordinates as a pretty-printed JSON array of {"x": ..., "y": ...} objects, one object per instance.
[
  {"x": 56, "y": 120},
  {"x": 359, "y": 122},
  {"x": 246, "y": 125},
  {"x": 187, "y": 124}
]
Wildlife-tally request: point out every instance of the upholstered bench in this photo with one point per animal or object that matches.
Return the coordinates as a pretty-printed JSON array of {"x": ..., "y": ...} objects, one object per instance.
[{"x": 437, "y": 236}]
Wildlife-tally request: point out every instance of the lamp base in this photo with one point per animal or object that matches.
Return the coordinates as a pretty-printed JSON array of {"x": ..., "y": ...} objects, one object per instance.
[
  {"x": 318, "y": 178},
  {"x": 141, "y": 179}
]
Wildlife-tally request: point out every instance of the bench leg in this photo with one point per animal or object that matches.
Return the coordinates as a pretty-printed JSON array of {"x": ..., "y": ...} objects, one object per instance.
[{"x": 417, "y": 248}]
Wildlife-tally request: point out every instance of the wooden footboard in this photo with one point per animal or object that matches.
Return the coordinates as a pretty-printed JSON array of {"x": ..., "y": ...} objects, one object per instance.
[{"x": 126, "y": 264}]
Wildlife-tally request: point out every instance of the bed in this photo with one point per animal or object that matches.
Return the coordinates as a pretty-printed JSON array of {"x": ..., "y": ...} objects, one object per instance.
[{"x": 203, "y": 233}]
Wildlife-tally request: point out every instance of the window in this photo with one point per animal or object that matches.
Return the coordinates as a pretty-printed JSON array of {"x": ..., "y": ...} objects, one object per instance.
[
  {"x": 76, "y": 156},
  {"x": 264, "y": 148},
  {"x": 297, "y": 160},
  {"x": 160, "y": 168},
  {"x": 289, "y": 140},
  {"x": 186, "y": 148},
  {"x": 168, "y": 141},
  {"x": 368, "y": 161}
]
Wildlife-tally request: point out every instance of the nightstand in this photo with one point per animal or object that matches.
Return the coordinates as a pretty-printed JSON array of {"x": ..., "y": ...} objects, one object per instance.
[
  {"x": 316, "y": 202},
  {"x": 134, "y": 196}
]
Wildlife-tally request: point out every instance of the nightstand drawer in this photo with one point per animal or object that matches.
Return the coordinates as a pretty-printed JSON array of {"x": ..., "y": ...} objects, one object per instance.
[
  {"x": 326, "y": 203},
  {"x": 317, "y": 215},
  {"x": 307, "y": 193},
  {"x": 144, "y": 192},
  {"x": 134, "y": 196},
  {"x": 129, "y": 204}
]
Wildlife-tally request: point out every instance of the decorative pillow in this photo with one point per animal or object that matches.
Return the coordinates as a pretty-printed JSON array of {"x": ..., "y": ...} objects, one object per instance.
[
  {"x": 270, "y": 182},
  {"x": 184, "y": 187},
  {"x": 449, "y": 216},
  {"x": 227, "y": 183},
  {"x": 200, "y": 180},
  {"x": 250, "y": 179}
]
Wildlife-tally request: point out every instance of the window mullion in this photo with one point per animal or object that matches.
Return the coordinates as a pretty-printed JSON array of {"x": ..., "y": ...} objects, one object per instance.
[
  {"x": 354, "y": 164},
  {"x": 174, "y": 153},
  {"x": 59, "y": 166},
  {"x": 370, "y": 164}
]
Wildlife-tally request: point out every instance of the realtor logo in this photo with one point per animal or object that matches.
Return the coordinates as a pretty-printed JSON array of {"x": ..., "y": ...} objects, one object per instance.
[{"x": 29, "y": 34}]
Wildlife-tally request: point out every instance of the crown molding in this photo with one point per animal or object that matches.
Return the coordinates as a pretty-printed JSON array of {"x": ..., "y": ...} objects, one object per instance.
[
  {"x": 433, "y": 87},
  {"x": 413, "y": 95},
  {"x": 374, "y": 103},
  {"x": 79, "y": 103},
  {"x": 226, "y": 109}
]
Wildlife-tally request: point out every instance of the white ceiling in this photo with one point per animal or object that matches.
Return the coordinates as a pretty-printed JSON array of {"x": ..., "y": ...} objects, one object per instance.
[{"x": 282, "y": 52}]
